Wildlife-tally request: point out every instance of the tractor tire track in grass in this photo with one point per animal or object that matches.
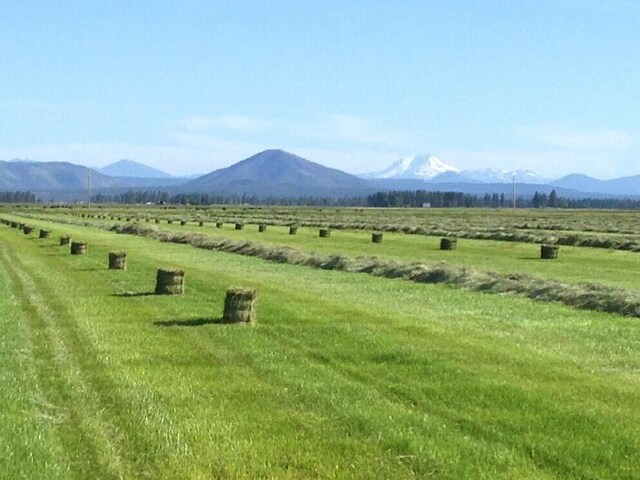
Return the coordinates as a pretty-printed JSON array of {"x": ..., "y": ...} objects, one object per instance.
[
  {"x": 74, "y": 390},
  {"x": 28, "y": 444}
]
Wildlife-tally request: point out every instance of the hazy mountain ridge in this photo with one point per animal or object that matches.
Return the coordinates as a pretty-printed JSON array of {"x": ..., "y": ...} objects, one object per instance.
[
  {"x": 616, "y": 186},
  {"x": 51, "y": 176},
  {"x": 129, "y": 168}
]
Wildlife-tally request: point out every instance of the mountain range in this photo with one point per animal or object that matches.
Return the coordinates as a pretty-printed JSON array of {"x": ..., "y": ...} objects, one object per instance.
[
  {"x": 277, "y": 173},
  {"x": 55, "y": 176},
  {"x": 431, "y": 169}
]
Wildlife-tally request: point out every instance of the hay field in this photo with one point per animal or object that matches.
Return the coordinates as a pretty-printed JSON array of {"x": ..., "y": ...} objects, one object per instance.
[{"x": 343, "y": 375}]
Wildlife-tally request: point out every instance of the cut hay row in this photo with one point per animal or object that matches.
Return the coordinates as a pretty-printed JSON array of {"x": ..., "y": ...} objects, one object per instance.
[
  {"x": 495, "y": 234},
  {"x": 589, "y": 296}
]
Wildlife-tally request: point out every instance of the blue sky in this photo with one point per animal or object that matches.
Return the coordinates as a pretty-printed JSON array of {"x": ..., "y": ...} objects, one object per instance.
[{"x": 547, "y": 85}]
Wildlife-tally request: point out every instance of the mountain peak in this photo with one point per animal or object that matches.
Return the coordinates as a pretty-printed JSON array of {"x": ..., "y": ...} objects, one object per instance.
[
  {"x": 421, "y": 166},
  {"x": 279, "y": 172},
  {"x": 129, "y": 168}
]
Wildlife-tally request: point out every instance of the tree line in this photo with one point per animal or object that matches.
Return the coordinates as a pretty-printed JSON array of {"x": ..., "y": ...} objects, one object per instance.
[
  {"x": 17, "y": 197},
  {"x": 163, "y": 197},
  {"x": 382, "y": 199},
  {"x": 421, "y": 198}
]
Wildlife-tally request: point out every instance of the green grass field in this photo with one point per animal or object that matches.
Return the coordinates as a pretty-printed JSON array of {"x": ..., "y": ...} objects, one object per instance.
[{"x": 343, "y": 376}]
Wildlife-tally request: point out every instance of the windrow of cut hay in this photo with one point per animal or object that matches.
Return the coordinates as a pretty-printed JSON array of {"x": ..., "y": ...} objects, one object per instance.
[
  {"x": 589, "y": 296},
  {"x": 502, "y": 235}
]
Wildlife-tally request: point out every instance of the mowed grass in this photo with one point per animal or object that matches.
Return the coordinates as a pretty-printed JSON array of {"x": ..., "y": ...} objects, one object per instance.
[
  {"x": 344, "y": 376},
  {"x": 574, "y": 264}
]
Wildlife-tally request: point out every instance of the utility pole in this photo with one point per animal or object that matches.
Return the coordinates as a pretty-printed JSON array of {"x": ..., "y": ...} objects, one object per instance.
[
  {"x": 514, "y": 191},
  {"x": 88, "y": 187}
]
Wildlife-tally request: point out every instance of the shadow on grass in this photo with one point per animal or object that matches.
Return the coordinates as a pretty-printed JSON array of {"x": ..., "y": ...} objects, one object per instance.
[
  {"x": 89, "y": 269},
  {"x": 194, "y": 322}
]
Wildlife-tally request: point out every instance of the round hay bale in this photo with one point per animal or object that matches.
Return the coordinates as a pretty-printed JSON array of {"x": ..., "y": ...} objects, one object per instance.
[
  {"x": 65, "y": 239},
  {"x": 293, "y": 230},
  {"x": 325, "y": 233},
  {"x": 44, "y": 233},
  {"x": 239, "y": 305},
  {"x": 219, "y": 224},
  {"x": 239, "y": 226},
  {"x": 170, "y": 281},
  {"x": 183, "y": 222},
  {"x": 201, "y": 223},
  {"x": 27, "y": 229},
  {"x": 78, "y": 248},
  {"x": 448, "y": 243},
  {"x": 549, "y": 252},
  {"x": 117, "y": 260},
  {"x": 157, "y": 220},
  {"x": 169, "y": 222},
  {"x": 14, "y": 224},
  {"x": 262, "y": 228},
  {"x": 376, "y": 237}
]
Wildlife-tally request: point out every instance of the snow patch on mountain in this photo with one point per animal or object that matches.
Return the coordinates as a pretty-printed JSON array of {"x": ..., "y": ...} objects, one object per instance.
[
  {"x": 422, "y": 167},
  {"x": 489, "y": 175}
]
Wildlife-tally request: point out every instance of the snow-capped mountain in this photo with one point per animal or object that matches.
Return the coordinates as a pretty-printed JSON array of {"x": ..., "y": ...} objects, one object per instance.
[
  {"x": 421, "y": 167},
  {"x": 489, "y": 175},
  {"x": 431, "y": 169}
]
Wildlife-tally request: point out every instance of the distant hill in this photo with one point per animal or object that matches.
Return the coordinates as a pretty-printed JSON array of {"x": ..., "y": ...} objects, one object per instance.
[
  {"x": 279, "y": 173},
  {"x": 49, "y": 175},
  {"x": 54, "y": 176},
  {"x": 617, "y": 186},
  {"x": 580, "y": 182},
  {"x": 129, "y": 168}
]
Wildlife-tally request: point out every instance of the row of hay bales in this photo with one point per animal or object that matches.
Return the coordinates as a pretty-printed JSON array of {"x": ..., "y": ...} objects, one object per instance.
[
  {"x": 239, "y": 303},
  {"x": 446, "y": 243},
  {"x": 547, "y": 251}
]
